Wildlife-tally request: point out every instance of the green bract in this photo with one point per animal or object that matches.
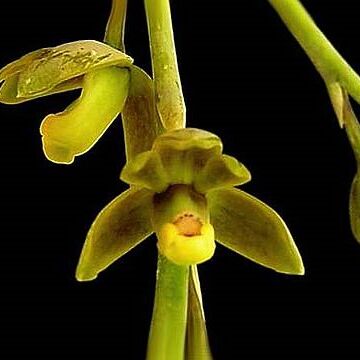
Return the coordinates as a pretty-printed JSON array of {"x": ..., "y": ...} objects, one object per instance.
[
  {"x": 347, "y": 119},
  {"x": 101, "y": 71},
  {"x": 183, "y": 187}
]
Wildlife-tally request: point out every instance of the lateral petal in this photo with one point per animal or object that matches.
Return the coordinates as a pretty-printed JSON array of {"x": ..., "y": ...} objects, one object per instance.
[
  {"x": 249, "y": 227},
  {"x": 119, "y": 227}
]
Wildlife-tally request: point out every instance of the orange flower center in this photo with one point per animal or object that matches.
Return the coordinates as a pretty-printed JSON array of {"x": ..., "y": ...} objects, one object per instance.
[{"x": 188, "y": 225}]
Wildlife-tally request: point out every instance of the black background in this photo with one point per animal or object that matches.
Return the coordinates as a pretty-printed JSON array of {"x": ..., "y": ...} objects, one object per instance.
[{"x": 245, "y": 79}]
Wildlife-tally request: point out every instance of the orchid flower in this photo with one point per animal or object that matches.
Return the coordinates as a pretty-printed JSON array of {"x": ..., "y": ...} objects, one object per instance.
[
  {"x": 101, "y": 71},
  {"x": 183, "y": 190}
]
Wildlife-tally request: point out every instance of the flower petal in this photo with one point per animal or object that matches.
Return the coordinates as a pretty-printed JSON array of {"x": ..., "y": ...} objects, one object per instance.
[
  {"x": 181, "y": 220},
  {"x": 146, "y": 170},
  {"x": 247, "y": 226},
  {"x": 355, "y": 207},
  {"x": 40, "y": 72},
  {"x": 119, "y": 227},
  {"x": 140, "y": 120},
  {"x": 184, "y": 152},
  {"x": 9, "y": 94},
  {"x": 77, "y": 129},
  {"x": 197, "y": 343},
  {"x": 221, "y": 171}
]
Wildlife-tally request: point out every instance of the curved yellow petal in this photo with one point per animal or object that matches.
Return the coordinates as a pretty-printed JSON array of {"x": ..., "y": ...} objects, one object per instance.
[
  {"x": 76, "y": 130},
  {"x": 119, "y": 227},
  {"x": 249, "y": 227}
]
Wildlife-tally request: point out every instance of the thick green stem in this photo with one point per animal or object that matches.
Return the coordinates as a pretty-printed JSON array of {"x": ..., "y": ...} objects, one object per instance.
[
  {"x": 114, "y": 33},
  {"x": 168, "y": 325},
  {"x": 169, "y": 97},
  {"x": 329, "y": 63}
]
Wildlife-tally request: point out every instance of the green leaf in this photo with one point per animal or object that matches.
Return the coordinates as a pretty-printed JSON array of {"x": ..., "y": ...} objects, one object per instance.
[
  {"x": 247, "y": 226},
  {"x": 41, "y": 72},
  {"x": 119, "y": 227},
  {"x": 140, "y": 119},
  {"x": 197, "y": 343}
]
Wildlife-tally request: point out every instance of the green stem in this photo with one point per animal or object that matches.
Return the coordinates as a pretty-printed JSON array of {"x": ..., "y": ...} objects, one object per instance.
[
  {"x": 330, "y": 64},
  {"x": 114, "y": 33},
  {"x": 170, "y": 101},
  {"x": 168, "y": 325}
]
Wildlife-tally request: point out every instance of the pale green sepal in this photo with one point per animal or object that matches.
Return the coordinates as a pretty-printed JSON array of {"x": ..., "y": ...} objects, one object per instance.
[
  {"x": 9, "y": 96},
  {"x": 355, "y": 207},
  {"x": 247, "y": 226},
  {"x": 146, "y": 170},
  {"x": 20, "y": 64},
  {"x": 119, "y": 227},
  {"x": 141, "y": 123},
  {"x": 39, "y": 73},
  {"x": 197, "y": 343},
  {"x": 221, "y": 171}
]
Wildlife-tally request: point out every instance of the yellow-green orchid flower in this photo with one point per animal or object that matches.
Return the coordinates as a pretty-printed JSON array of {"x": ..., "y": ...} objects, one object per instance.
[
  {"x": 100, "y": 70},
  {"x": 183, "y": 190}
]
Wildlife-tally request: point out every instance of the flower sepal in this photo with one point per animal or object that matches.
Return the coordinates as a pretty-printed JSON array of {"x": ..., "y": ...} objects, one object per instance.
[{"x": 56, "y": 69}]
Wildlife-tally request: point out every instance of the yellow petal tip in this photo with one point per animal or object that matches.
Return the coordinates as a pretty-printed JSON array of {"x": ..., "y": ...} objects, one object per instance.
[{"x": 57, "y": 152}]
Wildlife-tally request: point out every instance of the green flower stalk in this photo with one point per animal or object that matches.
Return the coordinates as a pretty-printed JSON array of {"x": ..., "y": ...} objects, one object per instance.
[{"x": 340, "y": 80}]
